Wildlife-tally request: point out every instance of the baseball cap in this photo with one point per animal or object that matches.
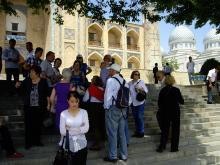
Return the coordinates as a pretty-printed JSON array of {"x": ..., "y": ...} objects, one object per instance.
[{"x": 115, "y": 67}]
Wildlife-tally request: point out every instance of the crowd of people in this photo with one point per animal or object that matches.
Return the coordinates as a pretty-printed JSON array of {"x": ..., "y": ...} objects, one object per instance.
[{"x": 95, "y": 112}]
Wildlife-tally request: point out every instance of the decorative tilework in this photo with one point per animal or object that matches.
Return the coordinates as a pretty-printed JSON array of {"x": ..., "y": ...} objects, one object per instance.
[
  {"x": 101, "y": 52},
  {"x": 116, "y": 52},
  {"x": 69, "y": 34}
]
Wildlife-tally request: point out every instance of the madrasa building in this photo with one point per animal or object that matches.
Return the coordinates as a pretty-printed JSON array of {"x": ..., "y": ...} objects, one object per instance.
[
  {"x": 182, "y": 44},
  {"x": 135, "y": 46}
]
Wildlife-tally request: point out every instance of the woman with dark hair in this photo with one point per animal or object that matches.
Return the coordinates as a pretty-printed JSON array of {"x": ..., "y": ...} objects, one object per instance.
[
  {"x": 136, "y": 85},
  {"x": 169, "y": 114},
  {"x": 78, "y": 79},
  {"x": 36, "y": 100},
  {"x": 94, "y": 98},
  {"x": 75, "y": 120}
]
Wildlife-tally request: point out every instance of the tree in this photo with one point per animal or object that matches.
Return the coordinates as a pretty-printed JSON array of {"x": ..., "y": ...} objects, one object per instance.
[
  {"x": 121, "y": 11},
  {"x": 208, "y": 65},
  {"x": 172, "y": 63}
]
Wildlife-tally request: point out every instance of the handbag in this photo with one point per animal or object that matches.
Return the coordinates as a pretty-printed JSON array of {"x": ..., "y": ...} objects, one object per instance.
[
  {"x": 63, "y": 156},
  {"x": 141, "y": 94}
]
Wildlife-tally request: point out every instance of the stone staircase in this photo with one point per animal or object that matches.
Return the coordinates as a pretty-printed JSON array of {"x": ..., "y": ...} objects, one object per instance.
[{"x": 199, "y": 137}]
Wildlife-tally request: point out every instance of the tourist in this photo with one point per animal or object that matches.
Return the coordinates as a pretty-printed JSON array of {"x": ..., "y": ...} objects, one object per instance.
[
  {"x": 47, "y": 69},
  {"x": 57, "y": 64},
  {"x": 115, "y": 117},
  {"x": 6, "y": 141},
  {"x": 190, "y": 69},
  {"x": 155, "y": 70},
  {"x": 167, "y": 69},
  {"x": 34, "y": 60},
  {"x": 30, "y": 54},
  {"x": 161, "y": 78},
  {"x": 75, "y": 121},
  {"x": 59, "y": 94},
  {"x": 11, "y": 57},
  {"x": 78, "y": 79},
  {"x": 136, "y": 85},
  {"x": 210, "y": 82},
  {"x": 36, "y": 101},
  {"x": 30, "y": 50},
  {"x": 104, "y": 73},
  {"x": 169, "y": 114},
  {"x": 84, "y": 67},
  {"x": 94, "y": 98}
]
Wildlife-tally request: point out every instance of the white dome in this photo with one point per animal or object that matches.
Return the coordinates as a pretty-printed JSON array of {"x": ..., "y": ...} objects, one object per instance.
[
  {"x": 211, "y": 35},
  {"x": 163, "y": 52},
  {"x": 181, "y": 34}
]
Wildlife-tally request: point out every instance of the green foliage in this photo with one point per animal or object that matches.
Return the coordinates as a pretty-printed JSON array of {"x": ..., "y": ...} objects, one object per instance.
[
  {"x": 172, "y": 63},
  {"x": 121, "y": 11},
  {"x": 208, "y": 65}
]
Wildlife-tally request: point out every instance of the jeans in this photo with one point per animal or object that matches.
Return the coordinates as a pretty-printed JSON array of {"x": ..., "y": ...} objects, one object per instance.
[
  {"x": 115, "y": 128},
  {"x": 126, "y": 127},
  {"x": 190, "y": 77},
  {"x": 209, "y": 91},
  {"x": 138, "y": 113}
]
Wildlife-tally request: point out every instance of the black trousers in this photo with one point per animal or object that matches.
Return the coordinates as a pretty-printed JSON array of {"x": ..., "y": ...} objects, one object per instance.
[
  {"x": 6, "y": 140},
  {"x": 33, "y": 117},
  {"x": 174, "y": 122},
  {"x": 96, "y": 115},
  {"x": 9, "y": 73},
  {"x": 80, "y": 157}
]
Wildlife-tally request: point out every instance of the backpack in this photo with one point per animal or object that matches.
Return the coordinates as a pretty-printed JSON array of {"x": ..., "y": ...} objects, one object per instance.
[{"x": 122, "y": 100}]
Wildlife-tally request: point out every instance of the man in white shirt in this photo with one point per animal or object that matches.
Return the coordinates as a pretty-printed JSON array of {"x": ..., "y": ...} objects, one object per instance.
[
  {"x": 190, "y": 69},
  {"x": 29, "y": 47},
  {"x": 211, "y": 79},
  {"x": 47, "y": 69},
  {"x": 114, "y": 117}
]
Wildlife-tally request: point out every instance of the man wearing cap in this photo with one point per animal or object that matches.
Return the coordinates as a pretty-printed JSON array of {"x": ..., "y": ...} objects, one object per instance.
[{"x": 114, "y": 117}]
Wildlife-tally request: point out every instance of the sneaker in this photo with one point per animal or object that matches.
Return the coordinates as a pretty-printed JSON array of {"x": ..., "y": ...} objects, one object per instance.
[
  {"x": 16, "y": 155},
  {"x": 122, "y": 159},
  {"x": 106, "y": 159}
]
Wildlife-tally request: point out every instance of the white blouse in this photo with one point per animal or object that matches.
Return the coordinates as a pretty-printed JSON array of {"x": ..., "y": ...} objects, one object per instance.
[
  {"x": 77, "y": 126},
  {"x": 133, "y": 92}
]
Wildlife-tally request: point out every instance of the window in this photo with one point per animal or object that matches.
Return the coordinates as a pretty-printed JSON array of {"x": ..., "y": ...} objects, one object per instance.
[
  {"x": 129, "y": 65},
  {"x": 14, "y": 26},
  {"x": 128, "y": 40},
  {"x": 92, "y": 62},
  {"x": 92, "y": 36}
]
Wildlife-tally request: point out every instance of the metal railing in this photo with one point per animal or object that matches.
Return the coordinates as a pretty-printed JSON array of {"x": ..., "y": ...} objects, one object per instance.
[
  {"x": 95, "y": 43},
  {"x": 133, "y": 47}
]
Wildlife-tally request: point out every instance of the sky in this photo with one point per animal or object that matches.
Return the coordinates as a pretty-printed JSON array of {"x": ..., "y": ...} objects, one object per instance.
[{"x": 165, "y": 30}]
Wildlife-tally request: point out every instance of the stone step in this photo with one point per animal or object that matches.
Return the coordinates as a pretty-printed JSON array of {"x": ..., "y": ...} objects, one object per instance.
[
  {"x": 142, "y": 153},
  {"x": 153, "y": 157}
]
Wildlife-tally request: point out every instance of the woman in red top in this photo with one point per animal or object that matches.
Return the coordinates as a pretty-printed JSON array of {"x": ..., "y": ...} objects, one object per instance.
[{"x": 94, "y": 98}]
